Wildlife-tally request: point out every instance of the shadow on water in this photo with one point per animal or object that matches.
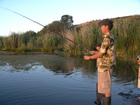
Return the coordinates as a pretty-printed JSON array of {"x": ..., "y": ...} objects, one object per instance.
[{"x": 124, "y": 73}]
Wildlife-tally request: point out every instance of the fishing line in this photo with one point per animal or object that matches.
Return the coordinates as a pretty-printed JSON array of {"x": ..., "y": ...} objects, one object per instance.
[{"x": 47, "y": 28}]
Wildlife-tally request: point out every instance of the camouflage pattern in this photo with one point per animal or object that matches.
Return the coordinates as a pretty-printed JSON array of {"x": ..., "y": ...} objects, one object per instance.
[{"x": 107, "y": 61}]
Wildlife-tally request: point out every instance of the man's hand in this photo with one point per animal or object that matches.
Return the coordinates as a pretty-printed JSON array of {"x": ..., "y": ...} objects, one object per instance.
[
  {"x": 92, "y": 52},
  {"x": 87, "y": 57}
]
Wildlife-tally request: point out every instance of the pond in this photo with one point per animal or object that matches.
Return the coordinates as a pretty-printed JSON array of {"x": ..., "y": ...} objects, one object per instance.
[{"x": 53, "y": 79}]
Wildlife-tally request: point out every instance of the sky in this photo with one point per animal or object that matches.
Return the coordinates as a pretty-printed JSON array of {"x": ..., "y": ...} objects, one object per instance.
[{"x": 47, "y": 11}]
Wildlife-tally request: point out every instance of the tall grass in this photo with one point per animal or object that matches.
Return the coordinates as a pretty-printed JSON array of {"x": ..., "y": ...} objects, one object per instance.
[
  {"x": 85, "y": 36},
  {"x": 127, "y": 35},
  {"x": 126, "y": 31}
]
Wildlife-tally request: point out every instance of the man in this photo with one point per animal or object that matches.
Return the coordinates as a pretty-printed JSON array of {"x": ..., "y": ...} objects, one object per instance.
[
  {"x": 106, "y": 63},
  {"x": 98, "y": 95},
  {"x": 138, "y": 61},
  {"x": 97, "y": 46}
]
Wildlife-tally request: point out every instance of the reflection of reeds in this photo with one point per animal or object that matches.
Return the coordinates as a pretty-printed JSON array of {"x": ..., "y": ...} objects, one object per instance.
[{"x": 125, "y": 70}]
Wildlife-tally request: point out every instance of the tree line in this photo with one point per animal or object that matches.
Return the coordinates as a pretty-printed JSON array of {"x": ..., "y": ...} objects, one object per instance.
[{"x": 126, "y": 31}]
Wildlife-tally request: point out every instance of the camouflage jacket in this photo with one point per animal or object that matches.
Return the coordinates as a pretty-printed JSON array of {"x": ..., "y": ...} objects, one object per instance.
[{"x": 107, "y": 61}]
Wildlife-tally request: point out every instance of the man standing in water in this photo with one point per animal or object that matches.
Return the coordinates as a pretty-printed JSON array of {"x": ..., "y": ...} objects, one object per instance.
[
  {"x": 98, "y": 95},
  {"x": 106, "y": 63}
]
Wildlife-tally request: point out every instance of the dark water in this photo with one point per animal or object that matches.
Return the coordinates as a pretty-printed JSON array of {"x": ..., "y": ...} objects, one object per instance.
[{"x": 57, "y": 80}]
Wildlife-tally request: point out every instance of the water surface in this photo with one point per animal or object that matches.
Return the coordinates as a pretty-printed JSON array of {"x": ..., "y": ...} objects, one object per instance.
[{"x": 56, "y": 80}]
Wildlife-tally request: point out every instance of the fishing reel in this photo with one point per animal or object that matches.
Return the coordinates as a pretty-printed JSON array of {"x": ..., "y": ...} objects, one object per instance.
[{"x": 86, "y": 54}]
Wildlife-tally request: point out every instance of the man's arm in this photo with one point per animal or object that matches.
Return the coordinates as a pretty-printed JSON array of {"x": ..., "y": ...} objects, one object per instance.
[
  {"x": 93, "y": 52},
  {"x": 95, "y": 56}
]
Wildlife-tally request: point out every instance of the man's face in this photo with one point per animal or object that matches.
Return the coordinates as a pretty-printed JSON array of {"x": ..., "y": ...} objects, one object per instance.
[
  {"x": 104, "y": 29},
  {"x": 98, "y": 48}
]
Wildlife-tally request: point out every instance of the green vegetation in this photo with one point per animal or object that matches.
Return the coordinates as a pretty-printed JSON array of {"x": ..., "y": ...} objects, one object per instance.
[{"x": 126, "y": 32}]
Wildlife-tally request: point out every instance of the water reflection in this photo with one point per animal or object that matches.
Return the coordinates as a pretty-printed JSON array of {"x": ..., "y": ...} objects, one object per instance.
[
  {"x": 125, "y": 72},
  {"x": 56, "y": 64}
]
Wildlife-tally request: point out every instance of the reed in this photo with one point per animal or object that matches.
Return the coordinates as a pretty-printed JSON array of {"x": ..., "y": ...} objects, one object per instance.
[{"x": 126, "y": 31}]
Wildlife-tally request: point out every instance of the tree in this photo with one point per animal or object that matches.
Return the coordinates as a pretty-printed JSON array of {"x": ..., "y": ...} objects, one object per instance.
[
  {"x": 67, "y": 21},
  {"x": 55, "y": 26}
]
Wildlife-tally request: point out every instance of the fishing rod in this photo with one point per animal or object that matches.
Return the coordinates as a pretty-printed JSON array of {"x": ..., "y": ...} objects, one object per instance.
[{"x": 47, "y": 29}]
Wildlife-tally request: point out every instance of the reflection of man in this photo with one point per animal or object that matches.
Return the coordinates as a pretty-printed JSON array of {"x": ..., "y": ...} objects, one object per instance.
[
  {"x": 107, "y": 61},
  {"x": 138, "y": 61}
]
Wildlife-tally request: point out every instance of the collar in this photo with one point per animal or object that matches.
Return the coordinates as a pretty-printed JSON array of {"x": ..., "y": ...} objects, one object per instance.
[{"x": 106, "y": 35}]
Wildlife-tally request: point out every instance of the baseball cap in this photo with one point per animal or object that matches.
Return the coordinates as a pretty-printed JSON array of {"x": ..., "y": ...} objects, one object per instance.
[{"x": 98, "y": 45}]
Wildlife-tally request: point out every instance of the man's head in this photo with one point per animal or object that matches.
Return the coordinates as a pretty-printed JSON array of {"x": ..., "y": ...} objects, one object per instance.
[
  {"x": 98, "y": 46},
  {"x": 138, "y": 60},
  {"x": 106, "y": 25}
]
